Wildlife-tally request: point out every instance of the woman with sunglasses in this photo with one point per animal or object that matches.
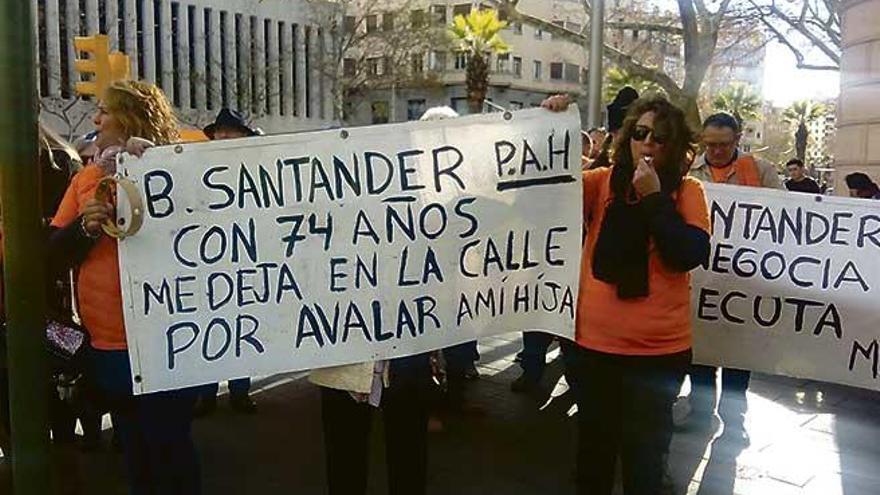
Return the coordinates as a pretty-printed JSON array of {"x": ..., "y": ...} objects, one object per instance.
[{"x": 647, "y": 227}]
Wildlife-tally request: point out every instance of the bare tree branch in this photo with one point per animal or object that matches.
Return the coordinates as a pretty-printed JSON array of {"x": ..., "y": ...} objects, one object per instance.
[
  {"x": 798, "y": 54},
  {"x": 817, "y": 27},
  {"x": 367, "y": 53},
  {"x": 647, "y": 26},
  {"x": 700, "y": 6}
]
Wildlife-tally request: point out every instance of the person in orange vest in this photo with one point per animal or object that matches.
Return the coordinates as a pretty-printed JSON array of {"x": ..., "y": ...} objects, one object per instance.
[
  {"x": 155, "y": 428},
  {"x": 723, "y": 162},
  {"x": 647, "y": 228}
]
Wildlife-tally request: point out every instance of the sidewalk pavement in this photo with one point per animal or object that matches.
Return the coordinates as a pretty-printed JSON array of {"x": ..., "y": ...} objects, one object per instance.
[{"x": 807, "y": 438}]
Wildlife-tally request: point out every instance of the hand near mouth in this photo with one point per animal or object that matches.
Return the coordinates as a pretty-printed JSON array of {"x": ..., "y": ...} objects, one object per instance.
[{"x": 645, "y": 179}]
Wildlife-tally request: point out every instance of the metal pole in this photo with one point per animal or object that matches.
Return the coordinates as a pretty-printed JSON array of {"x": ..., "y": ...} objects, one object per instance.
[
  {"x": 597, "y": 44},
  {"x": 23, "y": 250}
]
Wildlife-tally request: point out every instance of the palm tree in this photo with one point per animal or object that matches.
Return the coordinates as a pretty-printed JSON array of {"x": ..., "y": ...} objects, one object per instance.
[
  {"x": 477, "y": 35},
  {"x": 740, "y": 101},
  {"x": 801, "y": 114},
  {"x": 617, "y": 78}
]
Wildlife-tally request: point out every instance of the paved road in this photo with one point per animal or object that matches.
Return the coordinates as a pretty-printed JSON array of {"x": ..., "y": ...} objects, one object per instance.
[{"x": 807, "y": 438}]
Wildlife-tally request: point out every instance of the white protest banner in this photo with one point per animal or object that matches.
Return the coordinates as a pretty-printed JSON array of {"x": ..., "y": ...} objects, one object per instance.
[
  {"x": 281, "y": 253},
  {"x": 791, "y": 286}
]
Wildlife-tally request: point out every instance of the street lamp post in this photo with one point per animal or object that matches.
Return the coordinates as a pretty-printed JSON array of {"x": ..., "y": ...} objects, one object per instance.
[
  {"x": 23, "y": 250},
  {"x": 597, "y": 44}
]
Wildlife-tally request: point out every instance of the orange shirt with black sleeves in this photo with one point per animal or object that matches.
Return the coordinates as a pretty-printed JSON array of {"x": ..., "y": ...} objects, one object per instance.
[
  {"x": 98, "y": 292},
  {"x": 657, "y": 324}
]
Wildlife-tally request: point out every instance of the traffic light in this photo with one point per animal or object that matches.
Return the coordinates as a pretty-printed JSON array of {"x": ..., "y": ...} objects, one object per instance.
[
  {"x": 103, "y": 66},
  {"x": 120, "y": 67}
]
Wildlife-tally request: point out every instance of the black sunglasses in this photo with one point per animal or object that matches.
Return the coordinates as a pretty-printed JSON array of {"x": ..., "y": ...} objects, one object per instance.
[{"x": 641, "y": 133}]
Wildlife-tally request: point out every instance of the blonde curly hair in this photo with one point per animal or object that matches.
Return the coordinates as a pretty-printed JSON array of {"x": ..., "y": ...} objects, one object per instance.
[{"x": 142, "y": 110}]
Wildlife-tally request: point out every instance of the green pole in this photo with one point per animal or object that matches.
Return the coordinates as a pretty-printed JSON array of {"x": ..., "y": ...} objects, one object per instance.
[{"x": 23, "y": 251}]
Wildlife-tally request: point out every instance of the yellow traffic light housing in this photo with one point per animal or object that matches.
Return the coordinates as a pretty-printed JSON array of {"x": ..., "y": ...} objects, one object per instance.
[
  {"x": 103, "y": 66},
  {"x": 120, "y": 67}
]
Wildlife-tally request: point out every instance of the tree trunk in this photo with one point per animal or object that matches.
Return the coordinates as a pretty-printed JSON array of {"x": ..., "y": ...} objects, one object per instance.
[
  {"x": 689, "y": 104},
  {"x": 477, "y": 80},
  {"x": 800, "y": 141}
]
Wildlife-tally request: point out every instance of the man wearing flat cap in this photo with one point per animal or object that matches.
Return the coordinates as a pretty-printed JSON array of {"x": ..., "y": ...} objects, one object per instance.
[{"x": 229, "y": 124}]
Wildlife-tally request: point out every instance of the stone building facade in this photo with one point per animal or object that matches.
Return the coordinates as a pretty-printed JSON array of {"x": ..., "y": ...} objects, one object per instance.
[{"x": 857, "y": 146}]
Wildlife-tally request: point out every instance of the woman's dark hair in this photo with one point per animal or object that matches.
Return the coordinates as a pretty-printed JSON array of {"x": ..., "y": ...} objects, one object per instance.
[
  {"x": 670, "y": 126},
  {"x": 604, "y": 157},
  {"x": 617, "y": 109},
  {"x": 860, "y": 181},
  {"x": 58, "y": 163}
]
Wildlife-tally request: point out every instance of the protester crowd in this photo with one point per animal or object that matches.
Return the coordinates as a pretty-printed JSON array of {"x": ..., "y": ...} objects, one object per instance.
[{"x": 646, "y": 226}]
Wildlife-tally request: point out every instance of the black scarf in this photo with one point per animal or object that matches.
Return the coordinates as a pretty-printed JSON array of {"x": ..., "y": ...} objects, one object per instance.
[{"x": 621, "y": 254}]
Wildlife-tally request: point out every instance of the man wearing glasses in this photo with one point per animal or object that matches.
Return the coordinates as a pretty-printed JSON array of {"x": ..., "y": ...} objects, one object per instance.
[{"x": 724, "y": 163}]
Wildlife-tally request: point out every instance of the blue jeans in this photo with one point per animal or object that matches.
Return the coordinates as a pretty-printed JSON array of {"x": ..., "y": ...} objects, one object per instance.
[
  {"x": 239, "y": 386},
  {"x": 157, "y": 444}
]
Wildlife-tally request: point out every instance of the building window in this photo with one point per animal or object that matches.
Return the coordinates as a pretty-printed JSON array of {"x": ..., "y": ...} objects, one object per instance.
[
  {"x": 438, "y": 13},
  {"x": 387, "y": 68},
  {"x": 349, "y": 24},
  {"x": 348, "y": 111},
  {"x": 635, "y": 34},
  {"x": 538, "y": 70},
  {"x": 461, "y": 9},
  {"x": 415, "y": 109},
  {"x": 438, "y": 61},
  {"x": 572, "y": 73},
  {"x": 417, "y": 18},
  {"x": 372, "y": 23},
  {"x": 502, "y": 63},
  {"x": 573, "y": 26},
  {"x": 556, "y": 71},
  {"x": 380, "y": 112},
  {"x": 558, "y": 24},
  {"x": 539, "y": 34},
  {"x": 516, "y": 105},
  {"x": 517, "y": 67},
  {"x": 461, "y": 60},
  {"x": 460, "y": 105},
  {"x": 349, "y": 66},
  {"x": 388, "y": 21},
  {"x": 418, "y": 64},
  {"x": 516, "y": 27},
  {"x": 374, "y": 66}
]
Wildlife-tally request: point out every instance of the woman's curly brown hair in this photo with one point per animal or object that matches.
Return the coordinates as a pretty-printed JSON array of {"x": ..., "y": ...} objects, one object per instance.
[
  {"x": 670, "y": 125},
  {"x": 142, "y": 110}
]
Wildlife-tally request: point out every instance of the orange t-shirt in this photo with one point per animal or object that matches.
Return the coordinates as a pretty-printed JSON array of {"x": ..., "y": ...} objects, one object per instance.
[
  {"x": 721, "y": 174},
  {"x": 657, "y": 324},
  {"x": 98, "y": 293},
  {"x": 744, "y": 168}
]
